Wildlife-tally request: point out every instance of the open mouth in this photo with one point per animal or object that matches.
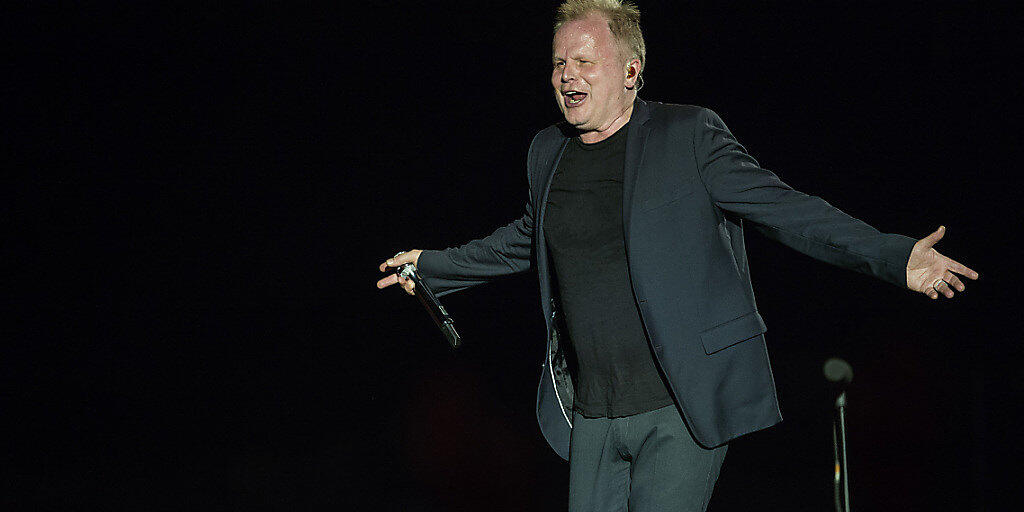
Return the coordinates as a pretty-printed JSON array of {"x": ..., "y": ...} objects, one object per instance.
[{"x": 573, "y": 98}]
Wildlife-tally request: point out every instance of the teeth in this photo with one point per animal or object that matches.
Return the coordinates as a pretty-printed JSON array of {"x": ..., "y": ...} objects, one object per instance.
[{"x": 574, "y": 97}]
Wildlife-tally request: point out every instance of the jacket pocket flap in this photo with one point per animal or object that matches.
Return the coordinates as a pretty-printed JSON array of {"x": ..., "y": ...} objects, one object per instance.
[{"x": 732, "y": 332}]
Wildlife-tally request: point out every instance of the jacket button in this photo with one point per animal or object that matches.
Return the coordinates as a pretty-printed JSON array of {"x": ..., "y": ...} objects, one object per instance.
[{"x": 643, "y": 301}]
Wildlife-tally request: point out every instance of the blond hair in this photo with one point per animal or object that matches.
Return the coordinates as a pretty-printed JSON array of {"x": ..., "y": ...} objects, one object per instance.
[{"x": 623, "y": 21}]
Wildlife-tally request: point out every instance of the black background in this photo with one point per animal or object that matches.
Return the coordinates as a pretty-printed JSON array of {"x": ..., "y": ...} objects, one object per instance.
[{"x": 203, "y": 194}]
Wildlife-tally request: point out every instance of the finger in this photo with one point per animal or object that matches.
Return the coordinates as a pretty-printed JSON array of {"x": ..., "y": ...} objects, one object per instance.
[
  {"x": 954, "y": 281},
  {"x": 396, "y": 261},
  {"x": 401, "y": 259},
  {"x": 931, "y": 293},
  {"x": 407, "y": 284},
  {"x": 387, "y": 281},
  {"x": 943, "y": 288},
  {"x": 962, "y": 269},
  {"x": 934, "y": 238}
]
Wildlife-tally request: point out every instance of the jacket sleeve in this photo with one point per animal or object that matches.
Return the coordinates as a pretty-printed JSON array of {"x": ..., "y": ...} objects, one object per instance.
[
  {"x": 737, "y": 184},
  {"x": 505, "y": 251}
]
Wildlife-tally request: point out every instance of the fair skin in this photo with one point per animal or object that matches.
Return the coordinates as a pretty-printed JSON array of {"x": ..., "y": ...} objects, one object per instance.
[
  {"x": 594, "y": 89},
  {"x": 931, "y": 273},
  {"x": 593, "y": 83}
]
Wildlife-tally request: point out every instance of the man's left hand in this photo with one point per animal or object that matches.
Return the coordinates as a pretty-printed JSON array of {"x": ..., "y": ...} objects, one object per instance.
[{"x": 931, "y": 273}]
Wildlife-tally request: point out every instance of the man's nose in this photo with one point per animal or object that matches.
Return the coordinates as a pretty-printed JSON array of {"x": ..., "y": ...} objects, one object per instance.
[{"x": 568, "y": 72}]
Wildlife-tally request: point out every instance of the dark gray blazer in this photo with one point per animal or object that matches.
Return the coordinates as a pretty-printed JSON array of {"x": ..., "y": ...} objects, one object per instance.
[{"x": 688, "y": 185}]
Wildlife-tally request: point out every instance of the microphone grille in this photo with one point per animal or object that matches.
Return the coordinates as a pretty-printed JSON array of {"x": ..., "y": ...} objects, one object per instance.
[{"x": 837, "y": 370}]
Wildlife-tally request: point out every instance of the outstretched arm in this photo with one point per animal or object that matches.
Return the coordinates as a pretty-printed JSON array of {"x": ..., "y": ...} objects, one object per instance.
[{"x": 811, "y": 225}]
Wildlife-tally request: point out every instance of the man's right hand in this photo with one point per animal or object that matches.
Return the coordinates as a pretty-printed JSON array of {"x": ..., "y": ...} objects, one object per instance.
[{"x": 411, "y": 256}]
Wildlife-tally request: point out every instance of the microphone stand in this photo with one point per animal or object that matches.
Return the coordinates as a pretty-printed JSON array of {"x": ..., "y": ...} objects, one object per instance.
[
  {"x": 840, "y": 374},
  {"x": 842, "y": 477}
]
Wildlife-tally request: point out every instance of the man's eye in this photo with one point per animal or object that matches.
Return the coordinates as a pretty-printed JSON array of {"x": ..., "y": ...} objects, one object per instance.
[{"x": 559, "y": 64}]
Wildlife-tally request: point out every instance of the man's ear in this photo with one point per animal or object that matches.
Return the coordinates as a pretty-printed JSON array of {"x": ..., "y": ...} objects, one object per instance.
[{"x": 632, "y": 73}]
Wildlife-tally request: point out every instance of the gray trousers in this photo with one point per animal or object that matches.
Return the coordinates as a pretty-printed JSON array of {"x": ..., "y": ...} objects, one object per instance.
[{"x": 644, "y": 462}]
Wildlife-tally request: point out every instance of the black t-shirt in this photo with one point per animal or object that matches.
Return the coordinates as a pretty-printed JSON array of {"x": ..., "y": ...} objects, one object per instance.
[{"x": 616, "y": 373}]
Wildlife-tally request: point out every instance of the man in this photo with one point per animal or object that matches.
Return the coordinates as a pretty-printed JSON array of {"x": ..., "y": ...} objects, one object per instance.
[{"x": 656, "y": 353}]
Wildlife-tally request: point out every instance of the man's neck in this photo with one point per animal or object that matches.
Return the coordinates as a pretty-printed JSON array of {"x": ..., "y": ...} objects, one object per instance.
[{"x": 599, "y": 135}]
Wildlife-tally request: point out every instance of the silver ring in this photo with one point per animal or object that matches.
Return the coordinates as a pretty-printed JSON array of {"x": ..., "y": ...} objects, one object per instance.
[{"x": 936, "y": 283}]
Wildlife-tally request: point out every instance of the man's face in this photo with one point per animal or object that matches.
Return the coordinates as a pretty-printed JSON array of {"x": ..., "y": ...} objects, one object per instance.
[{"x": 588, "y": 74}]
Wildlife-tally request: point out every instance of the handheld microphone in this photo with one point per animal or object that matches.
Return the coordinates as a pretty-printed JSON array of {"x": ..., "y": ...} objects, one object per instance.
[{"x": 433, "y": 306}]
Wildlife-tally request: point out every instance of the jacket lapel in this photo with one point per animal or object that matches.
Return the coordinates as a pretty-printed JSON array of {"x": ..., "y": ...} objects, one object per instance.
[
  {"x": 545, "y": 183},
  {"x": 546, "y": 176},
  {"x": 636, "y": 139}
]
